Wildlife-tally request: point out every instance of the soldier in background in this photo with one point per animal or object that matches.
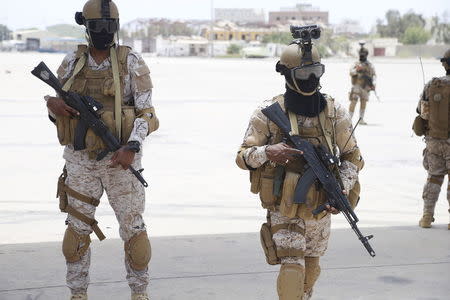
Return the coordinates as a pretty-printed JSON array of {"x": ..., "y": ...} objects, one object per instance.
[
  {"x": 363, "y": 81},
  {"x": 117, "y": 77},
  {"x": 293, "y": 236},
  {"x": 433, "y": 122}
]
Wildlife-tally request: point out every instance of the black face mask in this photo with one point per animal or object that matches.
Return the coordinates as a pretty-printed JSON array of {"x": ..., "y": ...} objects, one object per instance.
[
  {"x": 362, "y": 58},
  {"x": 447, "y": 72},
  {"x": 101, "y": 40},
  {"x": 308, "y": 106},
  {"x": 306, "y": 86}
]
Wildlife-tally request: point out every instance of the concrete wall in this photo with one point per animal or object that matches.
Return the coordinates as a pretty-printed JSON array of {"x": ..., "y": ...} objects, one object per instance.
[{"x": 422, "y": 50}]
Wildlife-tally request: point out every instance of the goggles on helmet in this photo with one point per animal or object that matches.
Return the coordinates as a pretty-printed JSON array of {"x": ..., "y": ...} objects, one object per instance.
[
  {"x": 99, "y": 25},
  {"x": 304, "y": 72}
]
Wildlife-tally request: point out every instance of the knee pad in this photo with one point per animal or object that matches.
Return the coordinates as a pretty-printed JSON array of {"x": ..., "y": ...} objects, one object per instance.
[
  {"x": 74, "y": 245},
  {"x": 290, "y": 282},
  {"x": 312, "y": 272},
  {"x": 138, "y": 251}
]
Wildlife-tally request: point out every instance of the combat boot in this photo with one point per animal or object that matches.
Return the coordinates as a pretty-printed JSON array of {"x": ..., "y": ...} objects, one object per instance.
[
  {"x": 142, "y": 296},
  {"x": 79, "y": 297},
  {"x": 426, "y": 220}
]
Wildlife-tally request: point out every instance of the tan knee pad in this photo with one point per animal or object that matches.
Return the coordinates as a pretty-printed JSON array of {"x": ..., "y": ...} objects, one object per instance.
[
  {"x": 74, "y": 245},
  {"x": 312, "y": 272},
  {"x": 138, "y": 251},
  {"x": 289, "y": 284}
]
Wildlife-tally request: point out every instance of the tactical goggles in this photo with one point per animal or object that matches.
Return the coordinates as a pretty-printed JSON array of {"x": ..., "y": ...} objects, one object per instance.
[
  {"x": 303, "y": 73},
  {"x": 446, "y": 60},
  {"x": 99, "y": 25}
]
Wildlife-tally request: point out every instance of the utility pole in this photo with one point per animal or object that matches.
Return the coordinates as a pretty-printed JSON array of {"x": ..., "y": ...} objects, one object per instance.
[{"x": 211, "y": 30}]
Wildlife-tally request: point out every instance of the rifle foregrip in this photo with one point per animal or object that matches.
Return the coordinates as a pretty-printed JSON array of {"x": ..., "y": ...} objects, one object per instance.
[{"x": 320, "y": 209}]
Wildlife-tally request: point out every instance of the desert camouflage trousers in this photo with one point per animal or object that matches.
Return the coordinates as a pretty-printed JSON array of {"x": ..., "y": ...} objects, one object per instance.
[
  {"x": 127, "y": 198},
  {"x": 436, "y": 160},
  {"x": 358, "y": 93},
  {"x": 313, "y": 242}
]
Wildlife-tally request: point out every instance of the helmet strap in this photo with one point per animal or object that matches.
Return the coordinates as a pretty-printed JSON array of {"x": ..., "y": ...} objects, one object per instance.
[{"x": 298, "y": 90}]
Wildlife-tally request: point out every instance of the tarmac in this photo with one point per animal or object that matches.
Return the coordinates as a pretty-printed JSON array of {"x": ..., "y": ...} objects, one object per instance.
[{"x": 411, "y": 263}]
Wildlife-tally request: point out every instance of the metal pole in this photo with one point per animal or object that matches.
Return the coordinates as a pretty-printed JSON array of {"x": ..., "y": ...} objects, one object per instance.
[{"x": 211, "y": 30}]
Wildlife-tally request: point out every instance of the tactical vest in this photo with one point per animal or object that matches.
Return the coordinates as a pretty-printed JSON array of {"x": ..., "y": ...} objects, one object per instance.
[
  {"x": 439, "y": 107},
  {"x": 276, "y": 184},
  {"x": 364, "y": 76},
  {"x": 101, "y": 86}
]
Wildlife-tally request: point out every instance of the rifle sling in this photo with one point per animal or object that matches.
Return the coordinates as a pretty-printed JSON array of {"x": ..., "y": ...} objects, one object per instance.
[{"x": 78, "y": 67}]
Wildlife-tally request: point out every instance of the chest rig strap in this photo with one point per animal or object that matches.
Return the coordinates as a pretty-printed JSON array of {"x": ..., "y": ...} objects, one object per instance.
[
  {"x": 78, "y": 67},
  {"x": 117, "y": 92},
  {"x": 322, "y": 119}
]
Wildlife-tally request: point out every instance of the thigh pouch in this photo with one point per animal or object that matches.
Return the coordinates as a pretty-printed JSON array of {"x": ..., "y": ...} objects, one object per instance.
[
  {"x": 64, "y": 191},
  {"x": 272, "y": 253}
]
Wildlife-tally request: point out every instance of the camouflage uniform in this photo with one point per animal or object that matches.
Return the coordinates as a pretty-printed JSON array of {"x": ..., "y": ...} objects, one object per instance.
[
  {"x": 436, "y": 159},
  {"x": 90, "y": 177},
  {"x": 360, "y": 89},
  {"x": 312, "y": 238}
]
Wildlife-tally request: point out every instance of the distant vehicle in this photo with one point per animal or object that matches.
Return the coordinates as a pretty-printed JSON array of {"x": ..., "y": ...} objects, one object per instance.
[{"x": 255, "y": 52}]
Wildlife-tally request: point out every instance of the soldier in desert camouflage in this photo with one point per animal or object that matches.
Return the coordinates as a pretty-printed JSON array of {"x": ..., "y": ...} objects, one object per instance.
[
  {"x": 363, "y": 81},
  {"x": 433, "y": 122},
  {"x": 293, "y": 236},
  {"x": 117, "y": 77}
]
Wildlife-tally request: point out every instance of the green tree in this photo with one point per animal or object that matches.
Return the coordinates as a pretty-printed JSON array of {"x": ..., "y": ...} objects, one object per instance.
[
  {"x": 395, "y": 25},
  {"x": 415, "y": 35},
  {"x": 440, "y": 30},
  {"x": 5, "y": 33}
]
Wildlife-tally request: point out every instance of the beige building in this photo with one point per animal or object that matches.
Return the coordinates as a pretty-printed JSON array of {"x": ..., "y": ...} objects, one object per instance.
[
  {"x": 224, "y": 31},
  {"x": 301, "y": 14}
]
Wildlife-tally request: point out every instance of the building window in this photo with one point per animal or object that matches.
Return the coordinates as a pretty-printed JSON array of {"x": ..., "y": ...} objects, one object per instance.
[
  {"x": 293, "y": 18},
  {"x": 243, "y": 37},
  {"x": 278, "y": 18},
  {"x": 216, "y": 36}
]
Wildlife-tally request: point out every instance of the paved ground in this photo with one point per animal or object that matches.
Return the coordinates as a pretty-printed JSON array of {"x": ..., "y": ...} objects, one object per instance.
[{"x": 411, "y": 263}]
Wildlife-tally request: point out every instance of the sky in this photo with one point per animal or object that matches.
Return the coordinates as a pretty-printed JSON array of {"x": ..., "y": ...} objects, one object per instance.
[{"x": 43, "y": 13}]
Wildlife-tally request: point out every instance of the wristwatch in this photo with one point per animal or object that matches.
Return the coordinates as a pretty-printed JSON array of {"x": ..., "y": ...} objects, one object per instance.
[{"x": 134, "y": 146}]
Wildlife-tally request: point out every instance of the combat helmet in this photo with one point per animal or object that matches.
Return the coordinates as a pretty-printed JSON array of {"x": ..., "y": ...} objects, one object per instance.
[
  {"x": 363, "y": 52},
  {"x": 296, "y": 66},
  {"x": 101, "y": 19}
]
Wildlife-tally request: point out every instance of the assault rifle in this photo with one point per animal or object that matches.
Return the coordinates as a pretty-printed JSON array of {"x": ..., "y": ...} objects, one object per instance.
[
  {"x": 368, "y": 81},
  {"x": 88, "y": 108},
  {"x": 319, "y": 164}
]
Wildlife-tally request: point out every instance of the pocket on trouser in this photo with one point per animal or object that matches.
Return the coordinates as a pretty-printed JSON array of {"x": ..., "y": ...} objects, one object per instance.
[{"x": 268, "y": 245}]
